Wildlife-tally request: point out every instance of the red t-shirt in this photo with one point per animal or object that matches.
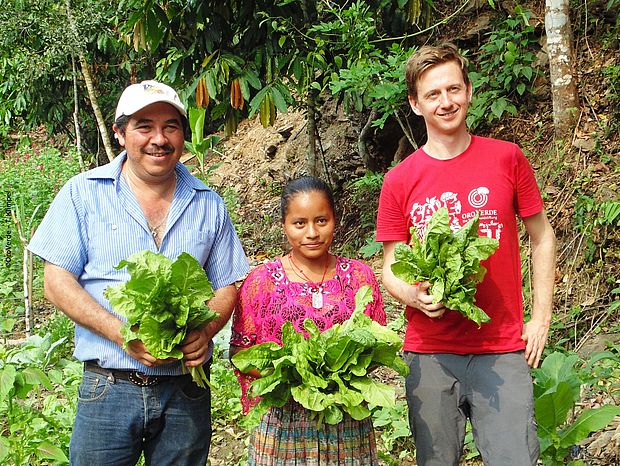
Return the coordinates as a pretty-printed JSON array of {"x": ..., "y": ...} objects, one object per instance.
[{"x": 494, "y": 178}]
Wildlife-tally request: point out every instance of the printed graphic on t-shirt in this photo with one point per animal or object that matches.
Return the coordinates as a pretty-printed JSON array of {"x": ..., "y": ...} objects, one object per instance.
[
  {"x": 478, "y": 197},
  {"x": 489, "y": 224}
]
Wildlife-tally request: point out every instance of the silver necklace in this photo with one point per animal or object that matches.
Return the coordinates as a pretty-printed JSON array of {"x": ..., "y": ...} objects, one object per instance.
[
  {"x": 154, "y": 230},
  {"x": 316, "y": 291}
]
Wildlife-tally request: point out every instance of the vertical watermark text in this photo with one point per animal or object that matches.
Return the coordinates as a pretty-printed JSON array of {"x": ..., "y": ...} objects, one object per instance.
[{"x": 7, "y": 229}]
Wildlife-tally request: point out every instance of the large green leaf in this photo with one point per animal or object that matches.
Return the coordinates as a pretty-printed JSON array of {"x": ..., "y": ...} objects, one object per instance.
[
  {"x": 553, "y": 407},
  {"x": 257, "y": 356},
  {"x": 358, "y": 412},
  {"x": 345, "y": 349},
  {"x": 36, "y": 376},
  {"x": 7, "y": 379},
  {"x": 376, "y": 393},
  {"x": 555, "y": 368},
  {"x": 190, "y": 278},
  {"x": 47, "y": 450},
  {"x": 588, "y": 421},
  {"x": 311, "y": 398},
  {"x": 363, "y": 297},
  {"x": 269, "y": 383},
  {"x": 333, "y": 415}
]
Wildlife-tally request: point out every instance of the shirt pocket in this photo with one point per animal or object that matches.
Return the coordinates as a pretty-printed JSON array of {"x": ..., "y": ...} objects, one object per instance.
[
  {"x": 111, "y": 242},
  {"x": 194, "y": 242}
]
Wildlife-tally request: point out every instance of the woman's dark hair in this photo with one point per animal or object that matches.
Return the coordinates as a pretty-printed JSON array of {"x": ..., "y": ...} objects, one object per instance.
[{"x": 305, "y": 184}]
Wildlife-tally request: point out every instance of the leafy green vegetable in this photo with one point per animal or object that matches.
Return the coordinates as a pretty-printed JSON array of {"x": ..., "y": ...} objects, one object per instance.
[
  {"x": 163, "y": 301},
  {"x": 327, "y": 373},
  {"x": 450, "y": 262},
  {"x": 558, "y": 385}
]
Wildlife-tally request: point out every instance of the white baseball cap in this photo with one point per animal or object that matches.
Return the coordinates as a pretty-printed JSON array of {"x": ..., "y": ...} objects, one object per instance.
[{"x": 137, "y": 96}]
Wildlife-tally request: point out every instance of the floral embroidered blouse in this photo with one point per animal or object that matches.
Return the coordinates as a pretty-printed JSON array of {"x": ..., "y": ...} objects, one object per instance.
[{"x": 267, "y": 299}]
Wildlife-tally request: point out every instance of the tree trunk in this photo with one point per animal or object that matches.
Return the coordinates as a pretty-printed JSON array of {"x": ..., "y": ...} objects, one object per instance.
[
  {"x": 76, "y": 115},
  {"x": 311, "y": 157},
  {"x": 561, "y": 65},
  {"x": 362, "y": 140},
  {"x": 308, "y": 10},
  {"x": 103, "y": 131}
]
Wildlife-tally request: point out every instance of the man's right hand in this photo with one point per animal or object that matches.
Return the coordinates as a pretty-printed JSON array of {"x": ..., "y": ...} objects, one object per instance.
[
  {"x": 422, "y": 300},
  {"x": 138, "y": 351}
]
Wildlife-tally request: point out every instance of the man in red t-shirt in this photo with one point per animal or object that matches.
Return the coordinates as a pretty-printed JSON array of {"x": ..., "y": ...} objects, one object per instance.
[{"x": 460, "y": 371}]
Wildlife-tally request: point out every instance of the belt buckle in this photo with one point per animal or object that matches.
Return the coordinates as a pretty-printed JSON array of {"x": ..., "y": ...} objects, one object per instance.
[{"x": 141, "y": 379}]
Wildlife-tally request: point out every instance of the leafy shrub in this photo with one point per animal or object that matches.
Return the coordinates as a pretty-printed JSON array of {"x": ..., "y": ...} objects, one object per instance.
[
  {"x": 557, "y": 387},
  {"x": 37, "y": 402},
  {"x": 506, "y": 70},
  {"x": 364, "y": 193},
  {"x": 392, "y": 425},
  {"x": 592, "y": 219},
  {"x": 30, "y": 180},
  {"x": 376, "y": 81}
]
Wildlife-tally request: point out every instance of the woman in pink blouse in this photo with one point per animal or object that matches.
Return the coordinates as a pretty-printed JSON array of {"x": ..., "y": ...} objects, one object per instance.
[{"x": 308, "y": 282}]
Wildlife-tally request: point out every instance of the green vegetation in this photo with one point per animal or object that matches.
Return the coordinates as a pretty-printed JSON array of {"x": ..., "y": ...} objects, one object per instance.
[
  {"x": 38, "y": 393},
  {"x": 30, "y": 180},
  {"x": 227, "y": 66},
  {"x": 557, "y": 386},
  {"x": 163, "y": 302},
  {"x": 450, "y": 261},
  {"x": 364, "y": 194},
  {"x": 327, "y": 373},
  {"x": 505, "y": 70}
]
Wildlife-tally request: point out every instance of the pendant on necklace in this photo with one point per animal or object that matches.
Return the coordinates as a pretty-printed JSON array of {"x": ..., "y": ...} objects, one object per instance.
[{"x": 317, "y": 298}]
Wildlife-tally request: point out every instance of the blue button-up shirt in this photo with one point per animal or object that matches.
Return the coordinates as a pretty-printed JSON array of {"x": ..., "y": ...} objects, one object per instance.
[{"x": 95, "y": 221}]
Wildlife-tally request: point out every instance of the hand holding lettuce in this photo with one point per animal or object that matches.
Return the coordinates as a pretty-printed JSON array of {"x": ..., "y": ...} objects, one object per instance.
[
  {"x": 450, "y": 262},
  {"x": 327, "y": 373},
  {"x": 163, "y": 301}
]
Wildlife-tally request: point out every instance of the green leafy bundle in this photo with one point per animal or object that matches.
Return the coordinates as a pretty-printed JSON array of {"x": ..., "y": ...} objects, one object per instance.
[
  {"x": 163, "y": 301},
  {"x": 327, "y": 373},
  {"x": 449, "y": 261}
]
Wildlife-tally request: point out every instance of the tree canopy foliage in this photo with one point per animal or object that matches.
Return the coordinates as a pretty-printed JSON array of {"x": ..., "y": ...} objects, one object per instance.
[
  {"x": 243, "y": 57},
  {"x": 237, "y": 58}
]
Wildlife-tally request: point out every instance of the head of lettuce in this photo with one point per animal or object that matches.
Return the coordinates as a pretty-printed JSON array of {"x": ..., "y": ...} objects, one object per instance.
[{"x": 163, "y": 301}]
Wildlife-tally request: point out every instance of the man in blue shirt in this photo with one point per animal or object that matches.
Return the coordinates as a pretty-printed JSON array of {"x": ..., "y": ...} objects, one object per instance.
[{"x": 129, "y": 401}]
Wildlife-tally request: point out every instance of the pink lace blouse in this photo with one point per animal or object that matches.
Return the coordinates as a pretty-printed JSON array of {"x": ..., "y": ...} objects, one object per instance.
[{"x": 267, "y": 299}]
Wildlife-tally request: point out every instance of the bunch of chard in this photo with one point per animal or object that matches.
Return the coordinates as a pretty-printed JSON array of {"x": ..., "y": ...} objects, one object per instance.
[
  {"x": 327, "y": 373},
  {"x": 449, "y": 261},
  {"x": 163, "y": 301}
]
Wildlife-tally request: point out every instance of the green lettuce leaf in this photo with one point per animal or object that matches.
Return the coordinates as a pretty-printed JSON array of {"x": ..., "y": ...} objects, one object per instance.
[
  {"x": 327, "y": 373},
  {"x": 376, "y": 393},
  {"x": 162, "y": 302},
  {"x": 450, "y": 262}
]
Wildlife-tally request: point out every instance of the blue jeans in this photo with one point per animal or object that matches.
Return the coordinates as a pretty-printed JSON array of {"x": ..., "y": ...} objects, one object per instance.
[{"x": 116, "y": 421}]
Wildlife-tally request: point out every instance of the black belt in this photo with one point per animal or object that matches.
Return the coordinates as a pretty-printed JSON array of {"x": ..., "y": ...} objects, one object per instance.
[{"x": 136, "y": 377}]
